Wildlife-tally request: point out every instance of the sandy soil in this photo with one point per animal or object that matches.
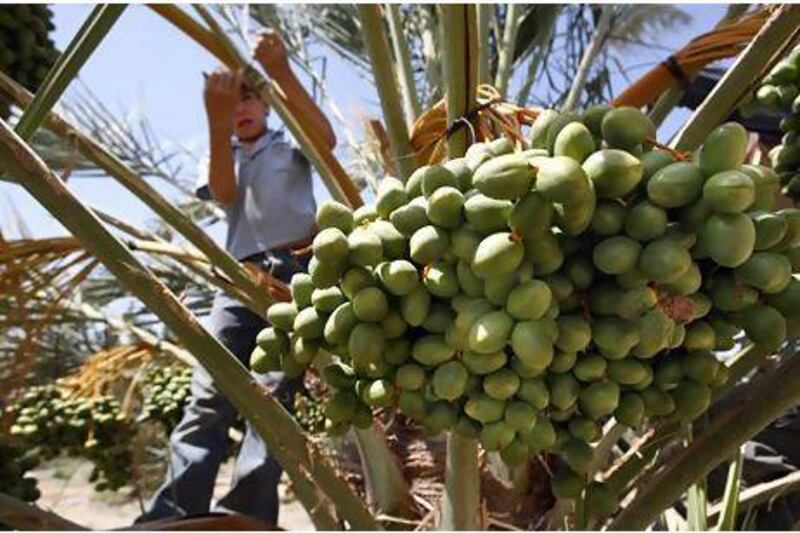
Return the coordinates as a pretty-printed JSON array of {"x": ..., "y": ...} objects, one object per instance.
[{"x": 66, "y": 491}]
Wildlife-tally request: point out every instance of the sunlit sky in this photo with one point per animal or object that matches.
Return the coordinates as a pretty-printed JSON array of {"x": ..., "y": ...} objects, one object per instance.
[{"x": 147, "y": 67}]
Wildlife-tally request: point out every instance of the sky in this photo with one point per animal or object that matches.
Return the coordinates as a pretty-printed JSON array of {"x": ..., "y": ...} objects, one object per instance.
[{"x": 145, "y": 66}]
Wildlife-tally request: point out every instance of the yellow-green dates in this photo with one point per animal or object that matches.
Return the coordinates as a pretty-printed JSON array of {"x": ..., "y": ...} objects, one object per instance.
[
  {"x": 529, "y": 300},
  {"x": 530, "y": 216},
  {"x": 646, "y": 221},
  {"x": 301, "y": 289},
  {"x": 630, "y": 410},
  {"x": 770, "y": 229},
  {"x": 370, "y": 305},
  {"x": 561, "y": 179},
  {"x": 768, "y": 272},
  {"x": 391, "y": 195},
  {"x": 608, "y": 218},
  {"x": 485, "y": 409},
  {"x": 501, "y": 385},
  {"x": 487, "y": 214},
  {"x": 281, "y": 315},
  {"x": 444, "y": 207},
  {"x": 614, "y": 173},
  {"x": 450, "y": 380},
  {"x": 729, "y": 192},
  {"x": 410, "y": 217},
  {"x": 366, "y": 248},
  {"x": 574, "y": 141},
  {"x": 332, "y": 214},
  {"x": 432, "y": 350},
  {"x": 366, "y": 343},
  {"x": 664, "y": 260},
  {"x": 428, "y": 244},
  {"x": 765, "y": 326},
  {"x": 627, "y": 128},
  {"x": 675, "y": 185},
  {"x": 505, "y": 177},
  {"x": 437, "y": 176},
  {"x": 691, "y": 399},
  {"x": 483, "y": 363},
  {"x": 729, "y": 239},
  {"x": 533, "y": 343},
  {"x": 262, "y": 361},
  {"x": 616, "y": 255},
  {"x": 490, "y": 332},
  {"x": 724, "y": 149},
  {"x": 498, "y": 254},
  {"x": 400, "y": 277}
]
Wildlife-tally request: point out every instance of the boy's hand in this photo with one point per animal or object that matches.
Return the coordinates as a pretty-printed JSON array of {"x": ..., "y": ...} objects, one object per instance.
[
  {"x": 221, "y": 94},
  {"x": 276, "y": 288},
  {"x": 270, "y": 51}
]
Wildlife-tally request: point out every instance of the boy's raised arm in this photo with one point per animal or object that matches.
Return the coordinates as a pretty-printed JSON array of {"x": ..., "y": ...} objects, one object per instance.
[
  {"x": 271, "y": 54},
  {"x": 221, "y": 94}
]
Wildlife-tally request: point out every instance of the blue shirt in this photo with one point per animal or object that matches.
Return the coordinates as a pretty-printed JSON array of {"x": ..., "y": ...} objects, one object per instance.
[{"x": 275, "y": 202}]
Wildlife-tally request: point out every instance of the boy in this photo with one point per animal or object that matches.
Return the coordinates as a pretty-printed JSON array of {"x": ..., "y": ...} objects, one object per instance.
[{"x": 264, "y": 185}]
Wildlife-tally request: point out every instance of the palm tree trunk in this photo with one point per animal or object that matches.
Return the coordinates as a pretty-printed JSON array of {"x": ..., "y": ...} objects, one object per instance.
[
  {"x": 756, "y": 406},
  {"x": 485, "y": 12},
  {"x": 598, "y": 39},
  {"x": 462, "y": 490},
  {"x": 461, "y": 499},
  {"x": 380, "y": 55},
  {"x": 771, "y": 40},
  {"x": 505, "y": 49},
  {"x": 405, "y": 72},
  {"x": 387, "y": 490},
  {"x": 318, "y": 481}
]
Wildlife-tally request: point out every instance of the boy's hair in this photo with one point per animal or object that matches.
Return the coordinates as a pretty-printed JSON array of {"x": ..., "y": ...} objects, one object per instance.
[{"x": 247, "y": 88}]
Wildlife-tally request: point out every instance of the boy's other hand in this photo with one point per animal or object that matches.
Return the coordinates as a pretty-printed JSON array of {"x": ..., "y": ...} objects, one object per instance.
[
  {"x": 270, "y": 51},
  {"x": 221, "y": 94},
  {"x": 276, "y": 288}
]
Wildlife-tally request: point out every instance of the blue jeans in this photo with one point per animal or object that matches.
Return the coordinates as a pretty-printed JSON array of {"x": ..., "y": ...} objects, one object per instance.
[{"x": 199, "y": 441}]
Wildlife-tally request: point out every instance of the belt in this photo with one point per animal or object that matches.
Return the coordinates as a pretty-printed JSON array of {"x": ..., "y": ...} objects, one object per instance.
[{"x": 297, "y": 248}]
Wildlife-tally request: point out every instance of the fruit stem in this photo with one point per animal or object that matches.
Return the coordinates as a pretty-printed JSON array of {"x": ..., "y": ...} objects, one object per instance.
[
  {"x": 461, "y": 501},
  {"x": 678, "y": 155}
]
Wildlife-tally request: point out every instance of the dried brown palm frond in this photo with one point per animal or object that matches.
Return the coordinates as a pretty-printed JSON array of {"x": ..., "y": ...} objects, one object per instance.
[
  {"x": 45, "y": 285},
  {"x": 493, "y": 118},
  {"x": 107, "y": 370},
  {"x": 37, "y": 277}
]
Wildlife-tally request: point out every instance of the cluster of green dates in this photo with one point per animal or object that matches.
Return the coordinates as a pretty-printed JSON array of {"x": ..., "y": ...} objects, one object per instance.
[
  {"x": 26, "y": 50},
  {"x": 48, "y": 419},
  {"x": 525, "y": 297},
  {"x": 15, "y": 462},
  {"x": 309, "y": 410},
  {"x": 780, "y": 92},
  {"x": 167, "y": 389}
]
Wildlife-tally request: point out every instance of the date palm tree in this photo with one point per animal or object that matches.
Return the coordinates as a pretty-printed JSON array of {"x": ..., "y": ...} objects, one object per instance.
[{"x": 447, "y": 51}]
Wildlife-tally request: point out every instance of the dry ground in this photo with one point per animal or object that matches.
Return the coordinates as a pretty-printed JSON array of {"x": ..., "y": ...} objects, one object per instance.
[{"x": 66, "y": 491}]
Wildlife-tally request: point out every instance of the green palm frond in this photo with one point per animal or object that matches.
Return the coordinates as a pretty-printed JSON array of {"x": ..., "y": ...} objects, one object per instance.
[{"x": 644, "y": 23}]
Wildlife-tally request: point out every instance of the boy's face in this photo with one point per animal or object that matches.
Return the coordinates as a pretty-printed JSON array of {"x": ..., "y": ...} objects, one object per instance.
[{"x": 249, "y": 116}]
